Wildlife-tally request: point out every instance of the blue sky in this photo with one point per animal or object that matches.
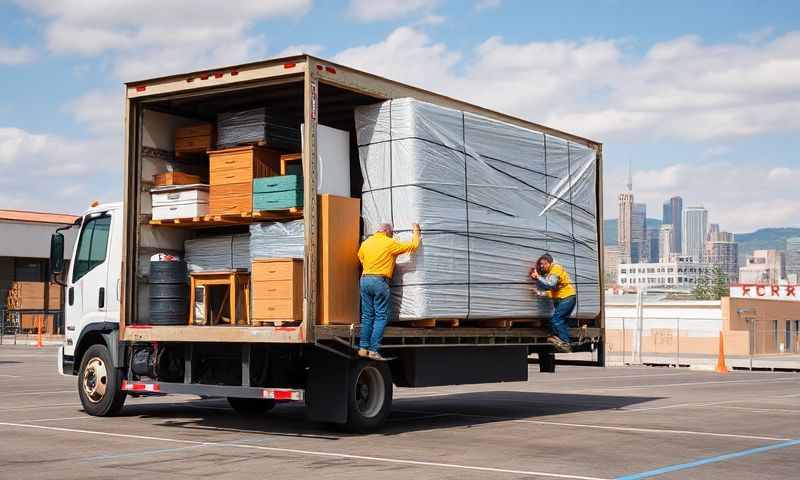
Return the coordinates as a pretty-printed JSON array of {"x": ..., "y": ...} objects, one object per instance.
[{"x": 703, "y": 98}]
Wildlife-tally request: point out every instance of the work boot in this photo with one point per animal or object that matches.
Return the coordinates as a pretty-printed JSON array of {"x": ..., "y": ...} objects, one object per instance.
[
  {"x": 560, "y": 345},
  {"x": 363, "y": 352},
  {"x": 376, "y": 356}
]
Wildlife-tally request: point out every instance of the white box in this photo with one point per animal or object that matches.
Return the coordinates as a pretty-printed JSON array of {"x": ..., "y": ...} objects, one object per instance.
[
  {"x": 333, "y": 164},
  {"x": 183, "y": 201}
]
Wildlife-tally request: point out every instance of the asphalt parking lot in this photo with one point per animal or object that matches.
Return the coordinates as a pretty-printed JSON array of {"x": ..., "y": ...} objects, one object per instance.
[{"x": 581, "y": 423}]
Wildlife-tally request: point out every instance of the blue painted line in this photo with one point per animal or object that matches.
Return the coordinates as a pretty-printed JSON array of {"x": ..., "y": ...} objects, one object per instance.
[{"x": 706, "y": 461}]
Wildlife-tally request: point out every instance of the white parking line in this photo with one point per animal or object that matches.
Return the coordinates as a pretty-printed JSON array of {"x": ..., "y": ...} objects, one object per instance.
[
  {"x": 708, "y": 382},
  {"x": 9, "y": 376},
  {"x": 37, "y": 407},
  {"x": 82, "y": 417},
  {"x": 309, "y": 452},
  {"x": 607, "y": 427},
  {"x": 781, "y": 411}
]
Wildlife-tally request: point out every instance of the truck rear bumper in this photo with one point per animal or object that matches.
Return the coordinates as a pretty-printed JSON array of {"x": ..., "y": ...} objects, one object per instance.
[{"x": 279, "y": 394}]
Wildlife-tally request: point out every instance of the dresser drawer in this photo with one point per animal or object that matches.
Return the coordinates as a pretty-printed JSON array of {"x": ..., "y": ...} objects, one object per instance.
[
  {"x": 278, "y": 309},
  {"x": 233, "y": 198},
  {"x": 270, "y": 270},
  {"x": 267, "y": 289},
  {"x": 227, "y": 177},
  {"x": 230, "y": 161},
  {"x": 194, "y": 144}
]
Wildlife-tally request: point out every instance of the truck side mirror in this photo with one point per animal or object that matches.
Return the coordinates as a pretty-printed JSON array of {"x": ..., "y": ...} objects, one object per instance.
[{"x": 56, "y": 254}]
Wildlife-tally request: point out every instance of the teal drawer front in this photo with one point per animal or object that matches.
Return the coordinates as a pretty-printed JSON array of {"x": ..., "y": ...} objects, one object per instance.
[
  {"x": 277, "y": 184},
  {"x": 278, "y": 200}
]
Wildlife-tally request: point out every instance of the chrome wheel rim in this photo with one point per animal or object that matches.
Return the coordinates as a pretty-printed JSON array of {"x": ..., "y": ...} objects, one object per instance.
[
  {"x": 95, "y": 380},
  {"x": 370, "y": 392}
]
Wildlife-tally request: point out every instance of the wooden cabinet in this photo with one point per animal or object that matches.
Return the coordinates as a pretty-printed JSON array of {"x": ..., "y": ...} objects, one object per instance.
[
  {"x": 277, "y": 290},
  {"x": 339, "y": 267},
  {"x": 194, "y": 139},
  {"x": 231, "y": 174}
]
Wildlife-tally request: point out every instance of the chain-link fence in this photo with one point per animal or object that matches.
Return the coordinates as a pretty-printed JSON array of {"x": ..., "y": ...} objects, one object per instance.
[{"x": 22, "y": 325}]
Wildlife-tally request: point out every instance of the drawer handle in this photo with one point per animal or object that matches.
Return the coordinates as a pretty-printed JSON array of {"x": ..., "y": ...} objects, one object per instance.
[
  {"x": 173, "y": 196},
  {"x": 173, "y": 208},
  {"x": 229, "y": 176},
  {"x": 230, "y": 161}
]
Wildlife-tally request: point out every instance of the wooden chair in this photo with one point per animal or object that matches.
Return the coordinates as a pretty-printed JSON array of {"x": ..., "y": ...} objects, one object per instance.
[{"x": 238, "y": 286}]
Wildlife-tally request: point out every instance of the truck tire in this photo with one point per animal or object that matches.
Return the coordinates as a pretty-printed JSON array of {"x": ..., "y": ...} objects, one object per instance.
[
  {"x": 99, "y": 383},
  {"x": 547, "y": 362},
  {"x": 250, "y": 407},
  {"x": 370, "y": 396}
]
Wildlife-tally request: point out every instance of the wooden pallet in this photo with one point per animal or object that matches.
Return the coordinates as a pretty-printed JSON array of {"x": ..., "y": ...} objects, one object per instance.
[
  {"x": 435, "y": 322},
  {"x": 242, "y": 218}
]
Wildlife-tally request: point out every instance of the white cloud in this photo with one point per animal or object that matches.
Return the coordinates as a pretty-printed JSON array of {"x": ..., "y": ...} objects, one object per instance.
[
  {"x": 15, "y": 55},
  {"x": 486, "y": 4},
  {"x": 309, "y": 48},
  {"x": 155, "y": 37},
  {"x": 679, "y": 89},
  {"x": 373, "y": 11},
  {"x": 99, "y": 111},
  {"x": 741, "y": 198}
]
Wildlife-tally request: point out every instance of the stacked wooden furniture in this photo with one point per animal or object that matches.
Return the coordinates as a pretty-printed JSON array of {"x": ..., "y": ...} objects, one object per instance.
[
  {"x": 195, "y": 139},
  {"x": 231, "y": 174},
  {"x": 277, "y": 290}
]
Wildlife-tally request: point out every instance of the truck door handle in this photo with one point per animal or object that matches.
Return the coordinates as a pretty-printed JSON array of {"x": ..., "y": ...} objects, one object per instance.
[
  {"x": 101, "y": 300},
  {"x": 71, "y": 295}
]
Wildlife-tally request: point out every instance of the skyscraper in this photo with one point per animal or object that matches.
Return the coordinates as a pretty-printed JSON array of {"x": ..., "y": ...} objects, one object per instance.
[
  {"x": 793, "y": 258},
  {"x": 653, "y": 247},
  {"x": 624, "y": 225},
  {"x": 665, "y": 242},
  {"x": 672, "y": 214},
  {"x": 639, "y": 248},
  {"x": 695, "y": 227}
]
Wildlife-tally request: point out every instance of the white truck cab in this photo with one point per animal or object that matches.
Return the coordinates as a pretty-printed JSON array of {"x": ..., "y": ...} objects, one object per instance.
[{"x": 92, "y": 283}]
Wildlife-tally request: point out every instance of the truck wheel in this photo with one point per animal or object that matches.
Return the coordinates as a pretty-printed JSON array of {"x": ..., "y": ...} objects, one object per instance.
[
  {"x": 250, "y": 407},
  {"x": 370, "y": 396},
  {"x": 99, "y": 383},
  {"x": 547, "y": 362}
]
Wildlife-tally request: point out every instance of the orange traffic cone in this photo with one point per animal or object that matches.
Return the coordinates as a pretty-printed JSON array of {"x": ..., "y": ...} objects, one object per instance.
[
  {"x": 721, "y": 367},
  {"x": 39, "y": 343}
]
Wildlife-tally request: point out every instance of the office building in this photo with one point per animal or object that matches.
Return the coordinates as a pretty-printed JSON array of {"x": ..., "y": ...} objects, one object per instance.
[
  {"x": 639, "y": 247},
  {"x": 611, "y": 260},
  {"x": 763, "y": 267},
  {"x": 624, "y": 223},
  {"x": 793, "y": 259},
  {"x": 725, "y": 255},
  {"x": 653, "y": 247},
  {"x": 672, "y": 214},
  {"x": 695, "y": 228},
  {"x": 665, "y": 243},
  {"x": 680, "y": 273}
]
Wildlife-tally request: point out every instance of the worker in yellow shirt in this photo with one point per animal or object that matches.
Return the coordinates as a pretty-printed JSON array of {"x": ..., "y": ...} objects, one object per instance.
[
  {"x": 552, "y": 280},
  {"x": 377, "y": 255}
]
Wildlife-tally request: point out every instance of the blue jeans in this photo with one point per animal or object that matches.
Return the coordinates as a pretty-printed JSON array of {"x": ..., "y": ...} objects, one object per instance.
[
  {"x": 375, "y": 295},
  {"x": 561, "y": 311}
]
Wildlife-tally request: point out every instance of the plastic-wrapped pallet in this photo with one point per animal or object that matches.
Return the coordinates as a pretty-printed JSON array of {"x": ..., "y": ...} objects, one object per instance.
[
  {"x": 256, "y": 125},
  {"x": 219, "y": 253},
  {"x": 277, "y": 240},
  {"x": 491, "y": 198}
]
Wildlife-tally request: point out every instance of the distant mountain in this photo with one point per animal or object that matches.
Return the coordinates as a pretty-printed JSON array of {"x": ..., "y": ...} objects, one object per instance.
[
  {"x": 764, "y": 239},
  {"x": 610, "y": 229}
]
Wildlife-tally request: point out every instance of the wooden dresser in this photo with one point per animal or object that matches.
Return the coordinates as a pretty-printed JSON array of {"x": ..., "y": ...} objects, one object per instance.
[
  {"x": 231, "y": 174},
  {"x": 277, "y": 290}
]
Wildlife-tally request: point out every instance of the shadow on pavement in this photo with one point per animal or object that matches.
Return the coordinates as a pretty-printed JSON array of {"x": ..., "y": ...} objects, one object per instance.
[{"x": 409, "y": 414}]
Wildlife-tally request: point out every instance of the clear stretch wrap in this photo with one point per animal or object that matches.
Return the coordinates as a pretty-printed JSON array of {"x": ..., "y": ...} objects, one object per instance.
[
  {"x": 220, "y": 253},
  {"x": 491, "y": 198},
  {"x": 277, "y": 240}
]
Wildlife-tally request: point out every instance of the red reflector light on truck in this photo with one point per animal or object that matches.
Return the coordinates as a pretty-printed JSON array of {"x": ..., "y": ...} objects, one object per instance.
[
  {"x": 141, "y": 88},
  {"x": 289, "y": 65}
]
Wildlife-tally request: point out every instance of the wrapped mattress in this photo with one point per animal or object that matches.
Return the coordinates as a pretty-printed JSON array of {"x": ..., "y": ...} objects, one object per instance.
[
  {"x": 277, "y": 240},
  {"x": 491, "y": 198}
]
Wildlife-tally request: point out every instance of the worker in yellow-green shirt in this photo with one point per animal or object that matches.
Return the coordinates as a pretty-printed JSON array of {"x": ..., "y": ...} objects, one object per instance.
[
  {"x": 552, "y": 280},
  {"x": 377, "y": 255}
]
